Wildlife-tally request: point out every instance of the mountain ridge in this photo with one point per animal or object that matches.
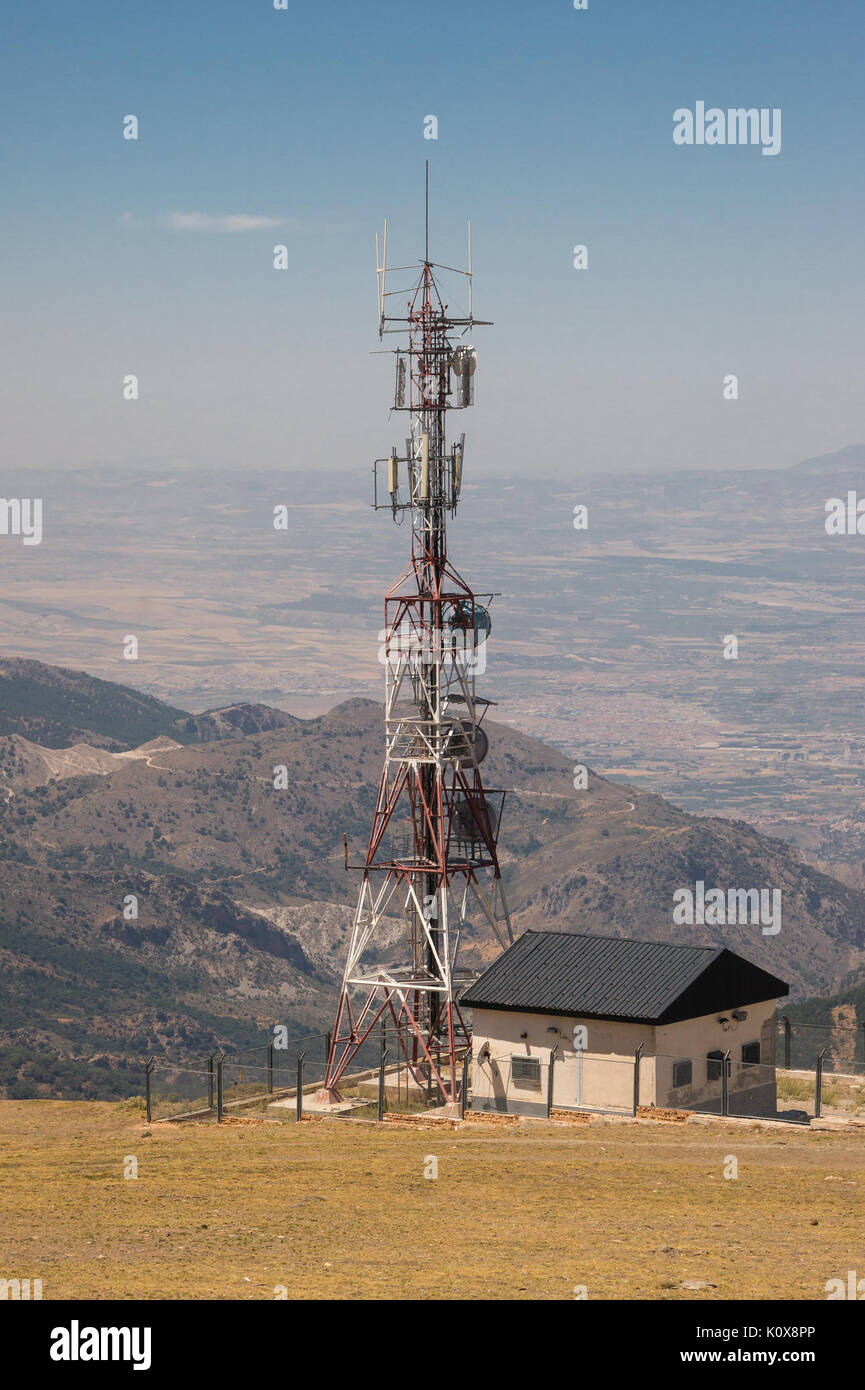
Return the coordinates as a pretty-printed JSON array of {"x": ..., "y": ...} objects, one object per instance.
[{"x": 243, "y": 903}]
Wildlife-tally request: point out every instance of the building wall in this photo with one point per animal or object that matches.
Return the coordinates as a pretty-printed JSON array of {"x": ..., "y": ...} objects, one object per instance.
[
  {"x": 602, "y": 1075},
  {"x": 602, "y": 1078},
  {"x": 751, "y": 1088}
]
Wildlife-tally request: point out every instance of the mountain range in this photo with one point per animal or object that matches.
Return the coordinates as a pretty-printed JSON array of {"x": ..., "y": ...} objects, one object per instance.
[{"x": 159, "y": 893}]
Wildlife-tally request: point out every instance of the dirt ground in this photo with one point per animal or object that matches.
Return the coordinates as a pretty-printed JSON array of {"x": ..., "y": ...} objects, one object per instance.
[{"x": 257, "y": 1209}]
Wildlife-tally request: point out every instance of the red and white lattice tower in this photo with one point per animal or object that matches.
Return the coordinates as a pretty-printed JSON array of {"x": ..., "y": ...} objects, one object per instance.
[{"x": 432, "y": 850}]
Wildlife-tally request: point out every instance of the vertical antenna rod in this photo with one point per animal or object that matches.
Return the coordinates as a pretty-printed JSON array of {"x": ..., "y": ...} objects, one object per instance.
[{"x": 426, "y": 241}]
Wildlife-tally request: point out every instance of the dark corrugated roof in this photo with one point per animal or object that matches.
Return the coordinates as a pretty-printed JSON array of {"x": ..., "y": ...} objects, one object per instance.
[{"x": 615, "y": 977}]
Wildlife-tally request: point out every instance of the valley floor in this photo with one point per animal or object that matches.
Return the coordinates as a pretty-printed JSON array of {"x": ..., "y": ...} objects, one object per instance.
[{"x": 343, "y": 1210}]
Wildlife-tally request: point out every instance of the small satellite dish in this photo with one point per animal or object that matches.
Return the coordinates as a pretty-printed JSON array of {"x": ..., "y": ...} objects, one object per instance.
[
  {"x": 467, "y": 744},
  {"x": 467, "y": 616}
]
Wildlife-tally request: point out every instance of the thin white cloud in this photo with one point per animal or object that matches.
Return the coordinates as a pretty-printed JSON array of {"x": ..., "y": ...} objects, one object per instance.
[
  {"x": 229, "y": 222},
  {"x": 208, "y": 222}
]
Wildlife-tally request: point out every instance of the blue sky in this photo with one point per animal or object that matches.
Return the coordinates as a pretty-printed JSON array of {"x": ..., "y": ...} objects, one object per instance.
[{"x": 555, "y": 128}]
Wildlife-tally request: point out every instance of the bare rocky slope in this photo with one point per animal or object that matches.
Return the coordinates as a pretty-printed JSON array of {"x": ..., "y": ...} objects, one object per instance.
[{"x": 244, "y": 903}]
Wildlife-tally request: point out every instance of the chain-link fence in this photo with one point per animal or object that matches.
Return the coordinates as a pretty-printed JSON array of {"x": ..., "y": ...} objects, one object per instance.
[
  {"x": 517, "y": 1084},
  {"x": 509, "y": 1086},
  {"x": 383, "y": 1079},
  {"x": 841, "y": 1041},
  {"x": 832, "y": 1054},
  {"x": 225, "y": 1082},
  {"x": 841, "y": 1088},
  {"x": 177, "y": 1090},
  {"x": 717, "y": 1083},
  {"x": 828, "y": 1083}
]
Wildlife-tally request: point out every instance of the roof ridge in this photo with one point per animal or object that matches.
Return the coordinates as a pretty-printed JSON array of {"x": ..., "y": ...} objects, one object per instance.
[{"x": 601, "y": 936}]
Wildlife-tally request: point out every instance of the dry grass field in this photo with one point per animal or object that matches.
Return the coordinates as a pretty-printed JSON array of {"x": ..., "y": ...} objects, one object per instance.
[{"x": 343, "y": 1210}]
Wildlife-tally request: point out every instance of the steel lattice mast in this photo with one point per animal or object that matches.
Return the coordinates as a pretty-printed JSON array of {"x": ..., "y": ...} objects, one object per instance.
[{"x": 432, "y": 851}]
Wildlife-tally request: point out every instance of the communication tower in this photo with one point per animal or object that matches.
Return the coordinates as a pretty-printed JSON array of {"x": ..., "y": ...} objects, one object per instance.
[{"x": 432, "y": 856}]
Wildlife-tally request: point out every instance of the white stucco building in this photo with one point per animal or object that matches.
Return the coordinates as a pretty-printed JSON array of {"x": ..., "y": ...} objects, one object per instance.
[{"x": 590, "y": 1002}]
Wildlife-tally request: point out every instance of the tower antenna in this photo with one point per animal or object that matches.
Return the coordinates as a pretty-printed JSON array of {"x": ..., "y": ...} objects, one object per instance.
[
  {"x": 432, "y": 858},
  {"x": 426, "y": 219}
]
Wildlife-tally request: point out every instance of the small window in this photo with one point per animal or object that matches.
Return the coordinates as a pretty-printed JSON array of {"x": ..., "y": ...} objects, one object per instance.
[
  {"x": 751, "y": 1052},
  {"x": 682, "y": 1072},
  {"x": 713, "y": 1066},
  {"x": 526, "y": 1072}
]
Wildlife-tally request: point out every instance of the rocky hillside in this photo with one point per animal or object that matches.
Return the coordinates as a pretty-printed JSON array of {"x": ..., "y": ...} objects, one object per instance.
[
  {"x": 233, "y": 850},
  {"x": 56, "y": 708},
  {"x": 235, "y": 721}
]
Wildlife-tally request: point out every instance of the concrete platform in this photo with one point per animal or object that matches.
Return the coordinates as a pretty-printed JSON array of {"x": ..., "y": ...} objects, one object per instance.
[
  {"x": 451, "y": 1111},
  {"x": 313, "y": 1106}
]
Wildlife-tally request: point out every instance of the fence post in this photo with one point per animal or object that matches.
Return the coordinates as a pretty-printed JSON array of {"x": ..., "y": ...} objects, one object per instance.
[
  {"x": 465, "y": 1086},
  {"x": 637, "y": 1055},
  {"x": 553, "y": 1054},
  {"x": 270, "y": 1069},
  {"x": 210, "y": 1082},
  {"x": 785, "y": 1020},
  {"x": 299, "y": 1111},
  {"x": 381, "y": 1084},
  {"x": 725, "y": 1084},
  {"x": 818, "y": 1085},
  {"x": 219, "y": 1061},
  {"x": 148, "y": 1068}
]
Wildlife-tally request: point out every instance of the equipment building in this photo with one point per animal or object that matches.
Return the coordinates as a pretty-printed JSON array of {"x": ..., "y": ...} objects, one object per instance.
[{"x": 591, "y": 1001}]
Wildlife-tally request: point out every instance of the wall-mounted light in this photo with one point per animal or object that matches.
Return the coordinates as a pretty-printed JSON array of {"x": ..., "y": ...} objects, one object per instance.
[
  {"x": 740, "y": 1015},
  {"x": 524, "y": 1035},
  {"x": 552, "y": 1030}
]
